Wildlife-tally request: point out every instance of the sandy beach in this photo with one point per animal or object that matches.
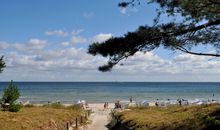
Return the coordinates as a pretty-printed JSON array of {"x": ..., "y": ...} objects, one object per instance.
[{"x": 99, "y": 119}]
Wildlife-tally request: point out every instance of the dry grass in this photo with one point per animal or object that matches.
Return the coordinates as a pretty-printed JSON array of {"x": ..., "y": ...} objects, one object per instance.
[
  {"x": 50, "y": 117},
  {"x": 173, "y": 117}
]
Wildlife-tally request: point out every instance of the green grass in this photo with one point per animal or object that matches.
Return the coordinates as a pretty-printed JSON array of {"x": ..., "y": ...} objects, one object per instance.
[
  {"x": 173, "y": 117},
  {"x": 47, "y": 117}
]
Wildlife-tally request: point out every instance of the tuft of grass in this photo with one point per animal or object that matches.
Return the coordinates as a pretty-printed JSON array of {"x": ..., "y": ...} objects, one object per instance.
[
  {"x": 54, "y": 105},
  {"x": 173, "y": 117},
  {"x": 75, "y": 107}
]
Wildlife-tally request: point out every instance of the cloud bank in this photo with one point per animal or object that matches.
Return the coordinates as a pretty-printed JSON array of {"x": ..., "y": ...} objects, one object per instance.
[{"x": 40, "y": 60}]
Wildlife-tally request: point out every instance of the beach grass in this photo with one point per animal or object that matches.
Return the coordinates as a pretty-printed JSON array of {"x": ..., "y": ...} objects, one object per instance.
[
  {"x": 173, "y": 117},
  {"x": 47, "y": 117}
]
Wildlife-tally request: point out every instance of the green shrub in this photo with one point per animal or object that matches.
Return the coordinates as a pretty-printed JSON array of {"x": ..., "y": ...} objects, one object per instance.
[
  {"x": 14, "y": 108},
  {"x": 11, "y": 94}
]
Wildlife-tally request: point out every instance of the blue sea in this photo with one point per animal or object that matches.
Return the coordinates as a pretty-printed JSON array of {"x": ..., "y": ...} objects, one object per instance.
[{"x": 93, "y": 92}]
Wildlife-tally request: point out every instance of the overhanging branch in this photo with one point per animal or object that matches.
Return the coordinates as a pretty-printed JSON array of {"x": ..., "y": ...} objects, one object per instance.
[
  {"x": 210, "y": 23},
  {"x": 196, "y": 53}
]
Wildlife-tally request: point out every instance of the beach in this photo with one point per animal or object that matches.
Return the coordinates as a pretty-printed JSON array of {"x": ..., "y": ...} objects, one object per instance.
[
  {"x": 97, "y": 93},
  {"x": 100, "y": 117}
]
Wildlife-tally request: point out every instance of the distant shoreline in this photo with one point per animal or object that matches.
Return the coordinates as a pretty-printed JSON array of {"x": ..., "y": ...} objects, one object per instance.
[{"x": 110, "y": 82}]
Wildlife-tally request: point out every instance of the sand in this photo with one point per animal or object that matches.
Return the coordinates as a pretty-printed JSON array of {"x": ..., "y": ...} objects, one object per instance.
[{"x": 100, "y": 117}]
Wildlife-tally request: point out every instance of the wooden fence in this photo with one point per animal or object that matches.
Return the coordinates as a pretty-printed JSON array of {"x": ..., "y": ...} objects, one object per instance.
[{"x": 78, "y": 120}]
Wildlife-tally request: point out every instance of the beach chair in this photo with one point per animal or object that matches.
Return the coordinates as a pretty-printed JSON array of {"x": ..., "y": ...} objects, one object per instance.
[{"x": 144, "y": 104}]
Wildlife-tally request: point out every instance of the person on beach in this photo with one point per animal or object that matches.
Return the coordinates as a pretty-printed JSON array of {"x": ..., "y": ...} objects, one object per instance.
[
  {"x": 105, "y": 105},
  {"x": 117, "y": 105},
  {"x": 156, "y": 103},
  {"x": 131, "y": 100},
  {"x": 179, "y": 101},
  {"x": 86, "y": 105}
]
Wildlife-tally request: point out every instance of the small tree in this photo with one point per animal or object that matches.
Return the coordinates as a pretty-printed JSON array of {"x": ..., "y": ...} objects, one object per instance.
[
  {"x": 2, "y": 64},
  {"x": 11, "y": 94}
]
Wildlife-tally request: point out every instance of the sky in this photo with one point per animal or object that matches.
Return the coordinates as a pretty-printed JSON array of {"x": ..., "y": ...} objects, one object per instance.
[{"x": 48, "y": 40}]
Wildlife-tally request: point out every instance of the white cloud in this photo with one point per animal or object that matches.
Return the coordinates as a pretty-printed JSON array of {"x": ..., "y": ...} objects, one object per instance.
[
  {"x": 63, "y": 33},
  {"x": 78, "y": 39},
  {"x": 196, "y": 64},
  {"x": 65, "y": 43},
  {"x": 4, "y": 45},
  {"x": 55, "y": 60},
  {"x": 88, "y": 15},
  {"x": 77, "y": 32},
  {"x": 128, "y": 10},
  {"x": 32, "y": 45},
  {"x": 123, "y": 10},
  {"x": 59, "y": 33},
  {"x": 75, "y": 63},
  {"x": 101, "y": 37}
]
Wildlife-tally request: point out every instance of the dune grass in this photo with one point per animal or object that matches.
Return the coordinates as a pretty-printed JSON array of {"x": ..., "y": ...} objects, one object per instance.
[
  {"x": 173, "y": 117},
  {"x": 48, "y": 117}
]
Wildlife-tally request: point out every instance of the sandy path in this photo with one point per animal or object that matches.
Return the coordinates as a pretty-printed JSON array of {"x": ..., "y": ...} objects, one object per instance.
[{"x": 99, "y": 118}]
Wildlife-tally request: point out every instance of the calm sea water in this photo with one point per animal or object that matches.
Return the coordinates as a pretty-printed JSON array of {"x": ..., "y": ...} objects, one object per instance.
[{"x": 69, "y": 92}]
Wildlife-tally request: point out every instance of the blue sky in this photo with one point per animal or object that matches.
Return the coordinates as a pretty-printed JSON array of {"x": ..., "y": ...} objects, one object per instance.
[
  {"x": 42, "y": 40},
  {"x": 29, "y": 18}
]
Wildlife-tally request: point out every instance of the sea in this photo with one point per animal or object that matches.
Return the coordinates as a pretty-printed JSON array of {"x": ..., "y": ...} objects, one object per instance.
[{"x": 99, "y": 92}]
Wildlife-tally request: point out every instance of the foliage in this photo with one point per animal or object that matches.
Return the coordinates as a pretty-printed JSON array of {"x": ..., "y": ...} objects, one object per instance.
[
  {"x": 200, "y": 26},
  {"x": 14, "y": 107},
  {"x": 2, "y": 64},
  {"x": 11, "y": 94}
]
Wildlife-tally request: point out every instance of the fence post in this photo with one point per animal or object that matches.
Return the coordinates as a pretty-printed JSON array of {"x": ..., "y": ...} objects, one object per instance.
[
  {"x": 76, "y": 123},
  {"x": 86, "y": 116},
  {"x": 88, "y": 112},
  {"x": 81, "y": 119},
  {"x": 67, "y": 125}
]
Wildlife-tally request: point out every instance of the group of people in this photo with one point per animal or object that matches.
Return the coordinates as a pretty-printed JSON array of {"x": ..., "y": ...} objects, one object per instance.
[
  {"x": 105, "y": 105},
  {"x": 117, "y": 105},
  {"x": 179, "y": 101}
]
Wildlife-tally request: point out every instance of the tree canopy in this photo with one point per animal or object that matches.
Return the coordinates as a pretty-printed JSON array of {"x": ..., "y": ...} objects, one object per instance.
[
  {"x": 199, "y": 25},
  {"x": 2, "y": 64}
]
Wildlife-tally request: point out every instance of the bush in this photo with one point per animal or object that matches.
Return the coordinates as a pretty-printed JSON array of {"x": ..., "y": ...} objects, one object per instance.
[
  {"x": 11, "y": 94},
  {"x": 14, "y": 108}
]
